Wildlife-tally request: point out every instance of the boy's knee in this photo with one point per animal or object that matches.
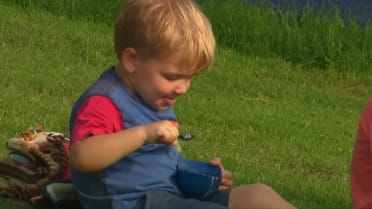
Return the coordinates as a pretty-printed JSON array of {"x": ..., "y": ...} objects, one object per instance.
[
  {"x": 255, "y": 190},
  {"x": 262, "y": 188},
  {"x": 257, "y": 196}
]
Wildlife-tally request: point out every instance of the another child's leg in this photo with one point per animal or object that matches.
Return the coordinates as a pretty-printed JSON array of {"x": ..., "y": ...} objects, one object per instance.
[{"x": 257, "y": 196}]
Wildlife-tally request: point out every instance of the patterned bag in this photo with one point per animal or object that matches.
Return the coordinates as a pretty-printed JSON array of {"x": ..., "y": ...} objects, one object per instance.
[{"x": 35, "y": 159}]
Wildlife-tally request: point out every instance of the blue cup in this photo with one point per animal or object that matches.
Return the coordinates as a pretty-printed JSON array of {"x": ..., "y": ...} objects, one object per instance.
[{"x": 196, "y": 179}]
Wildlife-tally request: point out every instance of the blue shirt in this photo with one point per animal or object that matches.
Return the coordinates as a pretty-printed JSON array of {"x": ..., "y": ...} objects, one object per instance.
[{"x": 151, "y": 167}]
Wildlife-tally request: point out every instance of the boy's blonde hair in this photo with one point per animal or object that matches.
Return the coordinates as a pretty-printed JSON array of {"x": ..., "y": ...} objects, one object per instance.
[{"x": 166, "y": 28}]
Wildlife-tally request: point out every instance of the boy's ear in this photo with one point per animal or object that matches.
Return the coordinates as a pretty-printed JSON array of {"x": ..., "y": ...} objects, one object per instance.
[{"x": 128, "y": 58}]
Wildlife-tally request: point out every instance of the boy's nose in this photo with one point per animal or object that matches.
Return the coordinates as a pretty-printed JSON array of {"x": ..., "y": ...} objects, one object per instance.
[{"x": 183, "y": 86}]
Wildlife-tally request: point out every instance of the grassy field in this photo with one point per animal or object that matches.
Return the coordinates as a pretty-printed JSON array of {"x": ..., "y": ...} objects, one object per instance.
[
  {"x": 271, "y": 119},
  {"x": 315, "y": 39}
]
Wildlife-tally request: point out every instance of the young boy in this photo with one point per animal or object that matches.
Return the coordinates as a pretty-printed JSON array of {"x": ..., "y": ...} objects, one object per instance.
[
  {"x": 123, "y": 127},
  {"x": 361, "y": 164}
]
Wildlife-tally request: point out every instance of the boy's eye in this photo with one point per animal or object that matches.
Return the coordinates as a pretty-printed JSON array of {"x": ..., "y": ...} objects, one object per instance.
[{"x": 171, "y": 77}]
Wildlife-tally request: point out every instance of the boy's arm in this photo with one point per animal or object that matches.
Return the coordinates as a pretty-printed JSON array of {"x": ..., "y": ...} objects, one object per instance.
[
  {"x": 100, "y": 145},
  {"x": 97, "y": 152}
]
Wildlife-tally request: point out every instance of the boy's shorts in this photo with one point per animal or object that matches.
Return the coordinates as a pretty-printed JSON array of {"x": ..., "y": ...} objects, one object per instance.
[{"x": 167, "y": 200}]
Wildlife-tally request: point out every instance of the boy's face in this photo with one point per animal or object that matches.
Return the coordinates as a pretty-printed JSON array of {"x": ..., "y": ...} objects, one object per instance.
[{"x": 159, "y": 82}]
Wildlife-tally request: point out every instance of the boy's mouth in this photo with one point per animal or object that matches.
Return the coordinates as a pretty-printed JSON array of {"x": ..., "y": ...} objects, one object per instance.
[{"x": 169, "y": 101}]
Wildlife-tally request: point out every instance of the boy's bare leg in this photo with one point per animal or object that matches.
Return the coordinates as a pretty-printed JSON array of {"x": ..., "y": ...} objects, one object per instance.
[{"x": 257, "y": 196}]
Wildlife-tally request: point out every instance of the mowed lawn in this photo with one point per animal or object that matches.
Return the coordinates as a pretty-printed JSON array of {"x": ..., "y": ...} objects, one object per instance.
[{"x": 269, "y": 121}]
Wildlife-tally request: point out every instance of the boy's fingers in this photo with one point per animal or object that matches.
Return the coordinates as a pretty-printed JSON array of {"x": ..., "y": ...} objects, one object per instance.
[
  {"x": 222, "y": 187},
  {"x": 217, "y": 161},
  {"x": 227, "y": 174},
  {"x": 174, "y": 143},
  {"x": 176, "y": 124},
  {"x": 226, "y": 182}
]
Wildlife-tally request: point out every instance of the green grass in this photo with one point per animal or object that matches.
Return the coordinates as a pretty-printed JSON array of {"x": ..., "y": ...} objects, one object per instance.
[
  {"x": 271, "y": 120},
  {"x": 102, "y": 12},
  {"x": 312, "y": 39}
]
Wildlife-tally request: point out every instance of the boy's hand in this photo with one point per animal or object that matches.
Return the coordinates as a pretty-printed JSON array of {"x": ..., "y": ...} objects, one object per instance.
[
  {"x": 165, "y": 132},
  {"x": 227, "y": 177}
]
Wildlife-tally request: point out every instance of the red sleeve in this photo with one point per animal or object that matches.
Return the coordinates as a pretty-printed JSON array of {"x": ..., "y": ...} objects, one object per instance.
[
  {"x": 96, "y": 115},
  {"x": 361, "y": 165}
]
